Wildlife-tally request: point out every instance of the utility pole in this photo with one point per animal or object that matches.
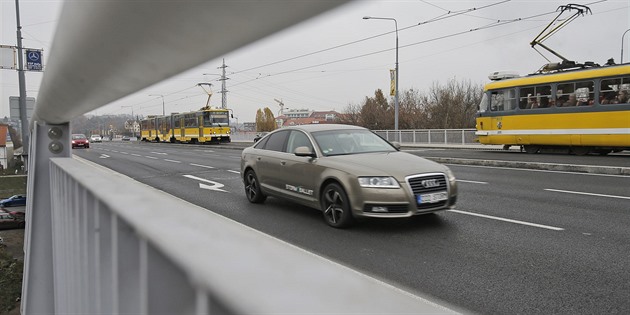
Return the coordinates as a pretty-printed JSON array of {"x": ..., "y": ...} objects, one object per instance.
[
  {"x": 223, "y": 88},
  {"x": 22, "y": 83}
]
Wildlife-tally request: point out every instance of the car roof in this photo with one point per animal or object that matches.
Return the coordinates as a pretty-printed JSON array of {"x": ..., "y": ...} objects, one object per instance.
[{"x": 324, "y": 127}]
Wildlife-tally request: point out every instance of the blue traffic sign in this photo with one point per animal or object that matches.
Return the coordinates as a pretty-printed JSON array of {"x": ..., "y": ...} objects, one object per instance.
[{"x": 34, "y": 60}]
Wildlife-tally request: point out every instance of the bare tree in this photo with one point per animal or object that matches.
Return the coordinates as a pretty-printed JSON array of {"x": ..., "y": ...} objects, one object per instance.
[{"x": 376, "y": 113}]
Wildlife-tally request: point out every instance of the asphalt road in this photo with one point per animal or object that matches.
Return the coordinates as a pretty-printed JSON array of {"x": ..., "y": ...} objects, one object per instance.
[{"x": 519, "y": 241}]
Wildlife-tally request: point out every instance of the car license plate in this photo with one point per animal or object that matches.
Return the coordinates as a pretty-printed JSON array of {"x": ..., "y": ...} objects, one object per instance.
[{"x": 432, "y": 198}]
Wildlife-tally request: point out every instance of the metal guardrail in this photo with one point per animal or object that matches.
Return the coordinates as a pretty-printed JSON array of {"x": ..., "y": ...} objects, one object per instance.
[
  {"x": 410, "y": 136},
  {"x": 430, "y": 136},
  {"x": 93, "y": 248}
]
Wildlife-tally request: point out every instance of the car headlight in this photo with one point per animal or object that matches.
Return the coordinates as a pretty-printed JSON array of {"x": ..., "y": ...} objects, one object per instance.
[
  {"x": 378, "y": 182},
  {"x": 450, "y": 175}
]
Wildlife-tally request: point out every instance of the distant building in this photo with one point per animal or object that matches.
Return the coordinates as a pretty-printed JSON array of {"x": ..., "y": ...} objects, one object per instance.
[
  {"x": 6, "y": 147},
  {"x": 307, "y": 117}
]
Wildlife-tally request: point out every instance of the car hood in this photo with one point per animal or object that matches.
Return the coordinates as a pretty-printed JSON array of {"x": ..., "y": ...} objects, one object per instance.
[{"x": 397, "y": 164}]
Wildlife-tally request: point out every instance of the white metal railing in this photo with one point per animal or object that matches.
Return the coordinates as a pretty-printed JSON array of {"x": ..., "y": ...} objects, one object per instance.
[
  {"x": 97, "y": 242},
  {"x": 430, "y": 136}
]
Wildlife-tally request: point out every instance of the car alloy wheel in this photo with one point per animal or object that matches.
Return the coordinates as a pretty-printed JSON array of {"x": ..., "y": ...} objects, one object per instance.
[
  {"x": 336, "y": 206},
  {"x": 252, "y": 188}
]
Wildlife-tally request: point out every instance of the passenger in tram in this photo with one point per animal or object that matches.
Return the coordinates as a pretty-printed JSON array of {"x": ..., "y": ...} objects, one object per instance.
[
  {"x": 572, "y": 101},
  {"x": 608, "y": 98},
  {"x": 622, "y": 97},
  {"x": 532, "y": 102}
]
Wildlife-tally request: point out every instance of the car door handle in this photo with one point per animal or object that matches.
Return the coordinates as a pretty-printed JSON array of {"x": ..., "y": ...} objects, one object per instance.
[
  {"x": 259, "y": 158},
  {"x": 283, "y": 162}
]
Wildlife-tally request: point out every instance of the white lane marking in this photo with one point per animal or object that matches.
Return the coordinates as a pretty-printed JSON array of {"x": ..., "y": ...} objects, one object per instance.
[
  {"x": 237, "y": 172},
  {"x": 124, "y": 153},
  {"x": 135, "y": 154},
  {"x": 588, "y": 194},
  {"x": 172, "y": 161},
  {"x": 104, "y": 156},
  {"x": 160, "y": 153},
  {"x": 509, "y": 220},
  {"x": 150, "y": 157},
  {"x": 471, "y": 181},
  {"x": 114, "y": 151},
  {"x": 533, "y": 170},
  {"x": 215, "y": 186},
  {"x": 206, "y": 166}
]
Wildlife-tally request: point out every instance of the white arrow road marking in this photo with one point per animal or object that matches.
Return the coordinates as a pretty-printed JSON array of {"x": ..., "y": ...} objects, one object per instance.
[
  {"x": 104, "y": 156},
  {"x": 215, "y": 186}
]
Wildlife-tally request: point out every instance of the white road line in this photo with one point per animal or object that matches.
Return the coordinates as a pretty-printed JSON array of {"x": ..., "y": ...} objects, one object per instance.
[
  {"x": 135, "y": 154},
  {"x": 160, "y": 153},
  {"x": 588, "y": 194},
  {"x": 509, "y": 220},
  {"x": 206, "y": 166},
  {"x": 237, "y": 172},
  {"x": 533, "y": 170},
  {"x": 150, "y": 157},
  {"x": 115, "y": 151},
  {"x": 124, "y": 153},
  {"x": 172, "y": 161},
  {"x": 471, "y": 181}
]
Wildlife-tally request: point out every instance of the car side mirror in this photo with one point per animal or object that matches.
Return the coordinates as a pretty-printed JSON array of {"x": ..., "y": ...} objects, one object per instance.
[
  {"x": 396, "y": 145},
  {"x": 304, "y": 151}
]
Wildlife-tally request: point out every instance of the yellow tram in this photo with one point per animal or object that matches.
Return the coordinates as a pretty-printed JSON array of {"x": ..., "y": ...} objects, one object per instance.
[
  {"x": 579, "y": 111},
  {"x": 202, "y": 126}
]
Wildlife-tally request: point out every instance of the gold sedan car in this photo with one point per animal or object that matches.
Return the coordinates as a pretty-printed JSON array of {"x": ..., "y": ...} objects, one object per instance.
[{"x": 347, "y": 172}]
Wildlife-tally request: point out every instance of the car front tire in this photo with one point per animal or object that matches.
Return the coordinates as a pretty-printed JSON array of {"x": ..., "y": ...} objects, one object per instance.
[
  {"x": 336, "y": 207},
  {"x": 252, "y": 188}
]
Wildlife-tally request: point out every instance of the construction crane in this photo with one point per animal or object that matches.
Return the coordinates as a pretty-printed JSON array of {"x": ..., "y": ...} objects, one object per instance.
[{"x": 281, "y": 104}]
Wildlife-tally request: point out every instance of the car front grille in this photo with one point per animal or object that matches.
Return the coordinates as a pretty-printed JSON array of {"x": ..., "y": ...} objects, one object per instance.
[{"x": 426, "y": 184}]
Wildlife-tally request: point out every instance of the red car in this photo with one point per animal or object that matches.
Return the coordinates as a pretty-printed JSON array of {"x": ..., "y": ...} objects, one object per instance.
[
  {"x": 80, "y": 141},
  {"x": 11, "y": 220}
]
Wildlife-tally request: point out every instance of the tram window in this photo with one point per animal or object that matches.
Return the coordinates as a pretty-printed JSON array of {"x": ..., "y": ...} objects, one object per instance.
[
  {"x": 575, "y": 94},
  {"x": 483, "y": 105},
  {"x": 190, "y": 120},
  {"x": 177, "y": 122},
  {"x": 615, "y": 91},
  {"x": 503, "y": 100},
  {"x": 535, "y": 97}
]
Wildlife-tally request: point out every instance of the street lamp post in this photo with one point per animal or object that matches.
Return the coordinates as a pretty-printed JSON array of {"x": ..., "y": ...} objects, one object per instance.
[
  {"x": 396, "y": 92},
  {"x": 622, "y": 36},
  {"x": 163, "y": 111}
]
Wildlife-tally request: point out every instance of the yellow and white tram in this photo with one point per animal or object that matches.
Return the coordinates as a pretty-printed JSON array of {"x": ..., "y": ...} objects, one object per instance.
[
  {"x": 582, "y": 111},
  {"x": 203, "y": 126}
]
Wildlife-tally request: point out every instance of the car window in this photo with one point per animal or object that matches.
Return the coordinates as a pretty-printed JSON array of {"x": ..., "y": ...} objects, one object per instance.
[
  {"x": 78, "y": 137},
  {"x": 276, "y": 141},
  {"x": 337, "y": 142},
  {"x": 298, "y": 139}
]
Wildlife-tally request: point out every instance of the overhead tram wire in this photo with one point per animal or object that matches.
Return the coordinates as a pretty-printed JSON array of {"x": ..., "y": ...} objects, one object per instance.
[
  {"x": 439, "y": 18},
  {"x": 498, "y": 23}
]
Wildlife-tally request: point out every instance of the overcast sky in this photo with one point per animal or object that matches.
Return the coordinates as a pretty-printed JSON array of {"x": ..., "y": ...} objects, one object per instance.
[{"x": 339, "y": 58}]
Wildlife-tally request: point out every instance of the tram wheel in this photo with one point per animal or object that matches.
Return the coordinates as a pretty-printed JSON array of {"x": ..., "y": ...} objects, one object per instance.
[{"x": 531, "y": 149}]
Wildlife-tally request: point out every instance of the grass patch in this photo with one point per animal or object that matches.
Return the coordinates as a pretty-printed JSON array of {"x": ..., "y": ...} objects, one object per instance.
[
  {"x": 12, "y": 185},
  {"x": 10, "y": 280}
]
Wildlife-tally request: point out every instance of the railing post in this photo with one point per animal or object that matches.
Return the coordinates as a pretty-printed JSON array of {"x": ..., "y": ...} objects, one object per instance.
[
  {"x": 38, "y": 291},
  {"x": 445, "y": 137}
]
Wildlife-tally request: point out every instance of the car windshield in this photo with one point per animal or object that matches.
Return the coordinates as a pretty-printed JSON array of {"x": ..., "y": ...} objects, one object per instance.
[
  {"x": 339, "y": 142},
  {"x": 75, "y": 137}
]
